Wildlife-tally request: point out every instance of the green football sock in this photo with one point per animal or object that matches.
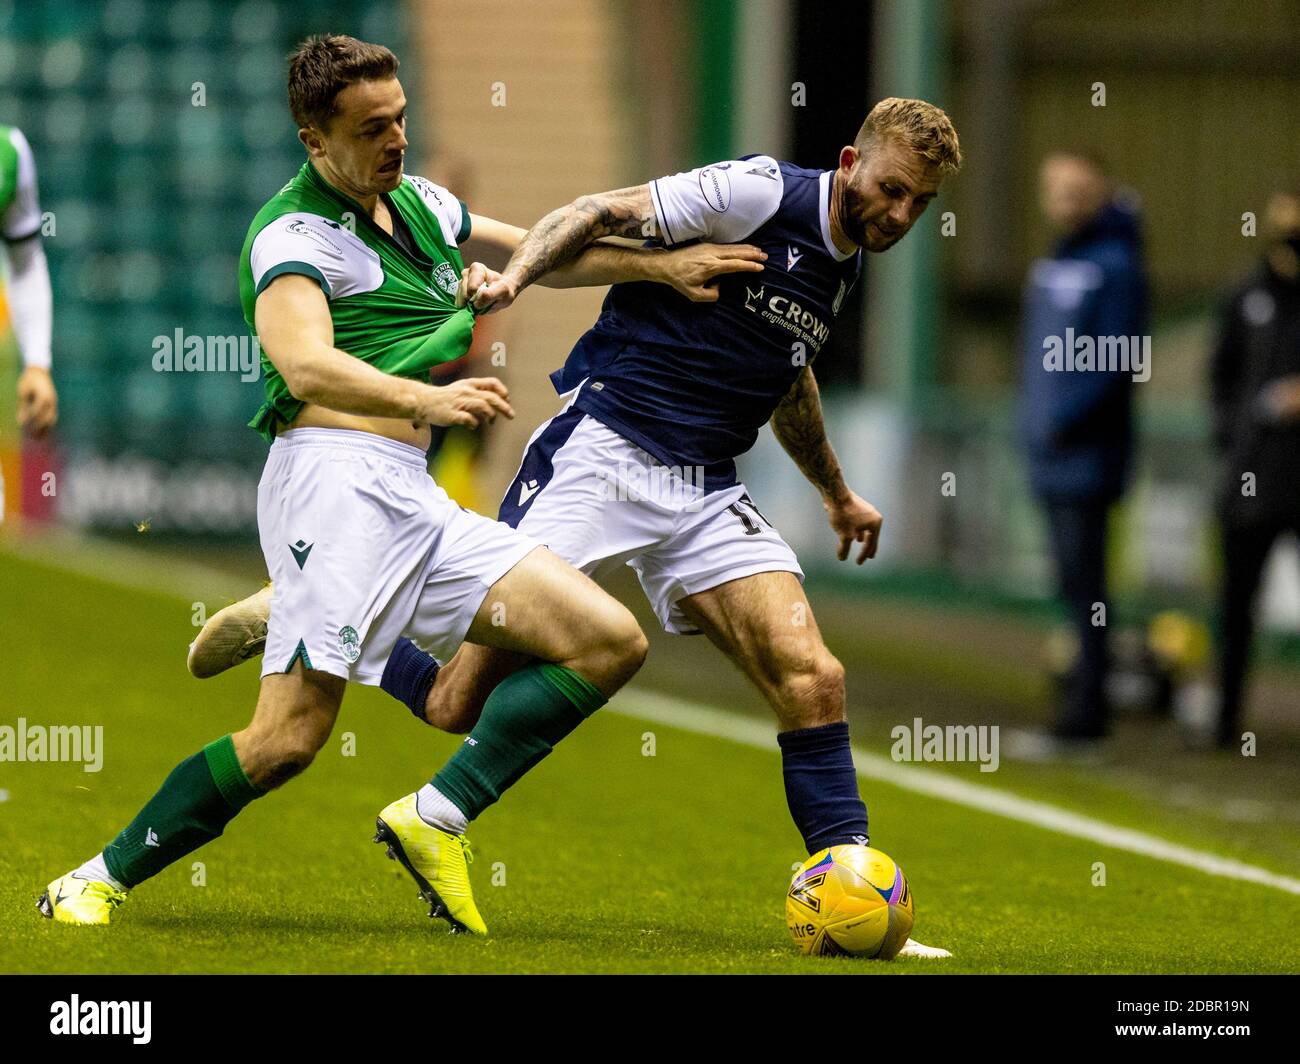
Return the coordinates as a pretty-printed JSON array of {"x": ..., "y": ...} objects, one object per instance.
[
  {"x": 193, "y": 806},
  {"x": 522, "y": 720}
]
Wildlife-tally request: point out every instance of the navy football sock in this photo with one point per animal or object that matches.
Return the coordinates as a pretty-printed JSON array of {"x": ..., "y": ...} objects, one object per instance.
[
  {"x": 821, "y": 786},
  {"x": 409, "y": 675}
]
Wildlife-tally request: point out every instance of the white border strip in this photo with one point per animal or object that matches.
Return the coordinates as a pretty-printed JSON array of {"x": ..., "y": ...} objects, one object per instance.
[{"x": 760, "y": 734}]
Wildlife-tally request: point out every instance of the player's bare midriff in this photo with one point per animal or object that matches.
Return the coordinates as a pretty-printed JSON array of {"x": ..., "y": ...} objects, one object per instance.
[{"x": 313, "y": 416}]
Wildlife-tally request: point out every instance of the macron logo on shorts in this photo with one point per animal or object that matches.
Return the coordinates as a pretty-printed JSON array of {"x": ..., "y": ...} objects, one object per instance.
[
  {"x": 527, "y": 490},
  {"x": 300, "y": 550}
]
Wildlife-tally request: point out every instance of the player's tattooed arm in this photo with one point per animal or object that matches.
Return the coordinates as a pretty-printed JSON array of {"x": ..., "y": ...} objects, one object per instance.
[
  {"x": 801, "y": 430},
  {"x": 561, "y": 235},
  {"x": 799, "y": 427},
  {"x": 692, "y": 270}
]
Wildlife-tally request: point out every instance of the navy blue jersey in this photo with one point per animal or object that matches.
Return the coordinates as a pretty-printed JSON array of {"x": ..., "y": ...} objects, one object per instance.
[{"x": 692, "y": 383}]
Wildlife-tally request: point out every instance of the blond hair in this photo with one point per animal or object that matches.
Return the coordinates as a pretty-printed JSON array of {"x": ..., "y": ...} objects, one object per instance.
[{"x": 917, "y": 125}]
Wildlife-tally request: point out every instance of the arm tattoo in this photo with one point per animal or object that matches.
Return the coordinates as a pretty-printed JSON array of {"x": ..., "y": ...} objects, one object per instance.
[
  {"x": 797, "y": 423},
  {"x": 563, "y": 233}
]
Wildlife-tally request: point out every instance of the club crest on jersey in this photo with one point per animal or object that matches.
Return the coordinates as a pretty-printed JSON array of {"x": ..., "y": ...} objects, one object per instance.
[
  {"x": 349, "y": 643},
  {"x": 444, "y": 275}
]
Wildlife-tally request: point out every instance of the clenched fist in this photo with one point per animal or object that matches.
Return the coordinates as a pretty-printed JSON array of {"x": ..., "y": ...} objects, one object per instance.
[{"x": 470, "y": 402}]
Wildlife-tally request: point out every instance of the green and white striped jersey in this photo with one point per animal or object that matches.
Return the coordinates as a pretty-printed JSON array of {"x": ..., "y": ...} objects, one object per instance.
[
  {"x": 20, "y": 210},
  {"x": 391, "y": 308}
]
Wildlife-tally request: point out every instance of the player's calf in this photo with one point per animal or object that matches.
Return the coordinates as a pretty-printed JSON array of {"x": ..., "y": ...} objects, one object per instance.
[
  {"x": 456, "y": 697},
  {"x": 294, "y": 715},
  {"x": 749, "y": 619}
]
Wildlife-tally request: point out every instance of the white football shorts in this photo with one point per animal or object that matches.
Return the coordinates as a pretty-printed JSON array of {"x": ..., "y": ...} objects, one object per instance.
[
  {"x": 600, "y": 501},
  {"x": 365, "y": 548}
]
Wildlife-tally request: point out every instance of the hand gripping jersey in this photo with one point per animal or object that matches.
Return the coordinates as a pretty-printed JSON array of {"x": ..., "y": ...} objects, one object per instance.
[
  {"x": 391, "y": 307},
  {"x": 692, "y": 383}
]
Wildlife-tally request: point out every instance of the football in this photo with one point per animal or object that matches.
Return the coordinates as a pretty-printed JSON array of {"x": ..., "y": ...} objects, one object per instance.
[{"x": 849, "y": 901}]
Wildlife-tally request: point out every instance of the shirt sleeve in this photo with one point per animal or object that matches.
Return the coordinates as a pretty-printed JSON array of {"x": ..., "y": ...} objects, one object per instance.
[
  {"x": 316, "y": 247},
  {"x": 22, "y": 217},
  {"x": 452, "y": 214},
  {"x": 724, "y": 201}
]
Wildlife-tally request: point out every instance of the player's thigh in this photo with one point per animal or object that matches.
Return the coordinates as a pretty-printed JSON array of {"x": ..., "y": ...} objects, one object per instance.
[
  {"x": 545, "y": 608},
  {"x": 764, "y": 621},
  {"x": 295, "y": 714},
  {"x": 765, "y": 624}
]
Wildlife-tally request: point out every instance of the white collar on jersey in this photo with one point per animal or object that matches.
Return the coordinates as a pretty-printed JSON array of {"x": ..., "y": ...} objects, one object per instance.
[{"x": 825, "y": 211}]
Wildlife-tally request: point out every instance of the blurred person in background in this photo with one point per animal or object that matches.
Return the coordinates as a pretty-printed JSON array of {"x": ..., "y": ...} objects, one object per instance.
[
  {"x": 30, "y": 301},
  {"x": 1255, "y": 393},
  {"x": 455, "y": 453},
  {"x": 1076, "y": 421}
]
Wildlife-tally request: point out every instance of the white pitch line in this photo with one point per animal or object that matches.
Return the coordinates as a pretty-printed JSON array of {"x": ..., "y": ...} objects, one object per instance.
[{"x": 707, "y": 720}]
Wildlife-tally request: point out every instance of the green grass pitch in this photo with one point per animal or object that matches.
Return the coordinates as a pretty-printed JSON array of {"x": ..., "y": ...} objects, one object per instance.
[{"x": 602, "y": 860}]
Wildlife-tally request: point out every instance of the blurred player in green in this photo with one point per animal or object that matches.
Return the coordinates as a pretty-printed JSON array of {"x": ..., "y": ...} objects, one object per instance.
[
  {"x": 352, "y": 278},
  {"x": 28, "y": 282}
]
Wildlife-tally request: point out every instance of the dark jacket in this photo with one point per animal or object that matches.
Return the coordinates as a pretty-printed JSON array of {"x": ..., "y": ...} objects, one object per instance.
[
  {"x": 1259, "y": 341},
  {"x": 1077, "y": 427}
]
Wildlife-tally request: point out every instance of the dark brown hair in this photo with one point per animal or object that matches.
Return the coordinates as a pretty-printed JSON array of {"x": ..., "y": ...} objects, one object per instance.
[{"x": 323, "y": 66}]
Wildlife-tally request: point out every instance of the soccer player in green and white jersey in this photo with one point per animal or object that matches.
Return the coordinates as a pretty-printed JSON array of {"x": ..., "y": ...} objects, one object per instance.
[
  {"x": 30, "y": 303},
  {"x": 349, "y": 276}
]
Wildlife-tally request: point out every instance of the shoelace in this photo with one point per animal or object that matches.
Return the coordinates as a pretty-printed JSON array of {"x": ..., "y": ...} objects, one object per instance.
[
  {"x": 454, "y": 875},
  {"x": 112, "y": 898}
]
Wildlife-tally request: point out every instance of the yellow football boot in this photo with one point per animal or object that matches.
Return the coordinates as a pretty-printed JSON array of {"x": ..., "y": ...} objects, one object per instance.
[
  {"x": 232, "y": 635},
  {"x": 69, "y": 900},
  {"x": 437, "y": 860}
]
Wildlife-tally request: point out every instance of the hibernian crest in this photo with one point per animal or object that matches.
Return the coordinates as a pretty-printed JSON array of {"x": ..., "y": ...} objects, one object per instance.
[
  {"x": 349, "y": 643},
  {"x": 446, "y": 277}
]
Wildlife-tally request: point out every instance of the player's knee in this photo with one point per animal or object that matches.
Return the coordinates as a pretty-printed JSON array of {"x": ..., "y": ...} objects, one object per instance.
[
  {"x": 616, "y": 650},
  {"x": 275, "y": 757},
  {"x": 628, "y": 645},
  {"x": 812, "y": 692},
  {"x": 284, "y": 761}
]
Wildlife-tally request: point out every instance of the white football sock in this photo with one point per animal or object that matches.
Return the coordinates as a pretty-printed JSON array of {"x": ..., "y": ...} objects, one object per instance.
[
  {"x": 95, "y": 868},
  {"x": 437, "y": 810}
]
